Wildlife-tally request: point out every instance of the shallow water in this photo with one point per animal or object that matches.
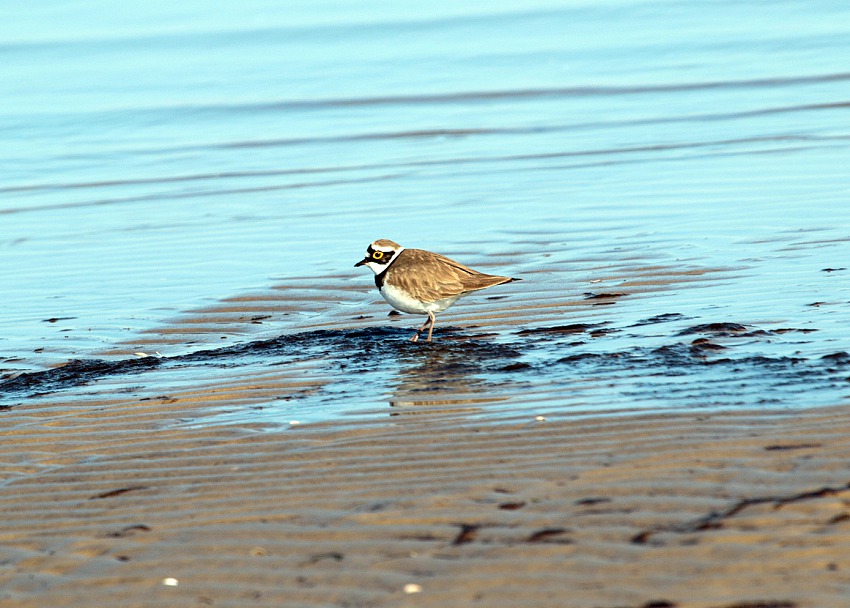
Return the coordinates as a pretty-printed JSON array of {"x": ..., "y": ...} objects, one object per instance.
[{"x": 198, "y": 182}]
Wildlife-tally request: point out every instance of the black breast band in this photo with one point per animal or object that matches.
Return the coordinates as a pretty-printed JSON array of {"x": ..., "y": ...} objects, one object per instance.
[{"x": 379, "y": 279}]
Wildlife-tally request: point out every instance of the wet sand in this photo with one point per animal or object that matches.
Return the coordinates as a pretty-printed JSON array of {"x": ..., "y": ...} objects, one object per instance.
[{"x": 103, "y": 504}]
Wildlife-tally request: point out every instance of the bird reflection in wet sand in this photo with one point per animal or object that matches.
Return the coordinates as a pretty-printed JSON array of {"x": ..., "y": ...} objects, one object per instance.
[{"x": 448, "y": 378}]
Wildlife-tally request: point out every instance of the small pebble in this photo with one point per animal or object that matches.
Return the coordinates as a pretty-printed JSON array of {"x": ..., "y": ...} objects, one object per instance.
[
  {"x": 412, "y": 588},
  {"x": 169, "y": 582}
]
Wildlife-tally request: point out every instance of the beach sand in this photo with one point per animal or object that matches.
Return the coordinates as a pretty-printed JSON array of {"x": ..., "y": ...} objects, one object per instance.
[{"x": 122, "y": 504}]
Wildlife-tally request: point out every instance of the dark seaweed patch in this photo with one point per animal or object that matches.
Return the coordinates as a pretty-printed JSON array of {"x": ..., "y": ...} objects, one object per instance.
[
  {"x": 593, "y": 500},
  {"x": 548, "y": 535},
  {"x": 575, "y": 328},
  {"x": 706, "y": 344},
  {"x": 842, "y": 357},
  {"x": 129, "y": 531},
  {"x": 118, "y": 492},
  {"x": 715, "y": 520},
  {"x": 715, "y": 329},
  {"x": 75, "y": 373},
  {"x": 360, "y": 365},
  {"x": 360, "y": 350},
  {"x": 664, "y": 318},
  {"x": 589, "y": 295},
  {"x": 466, "y": 534}
]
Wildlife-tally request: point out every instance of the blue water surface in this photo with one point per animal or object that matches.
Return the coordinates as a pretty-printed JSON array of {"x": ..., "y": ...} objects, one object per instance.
[{"x": 160, "y": 157}]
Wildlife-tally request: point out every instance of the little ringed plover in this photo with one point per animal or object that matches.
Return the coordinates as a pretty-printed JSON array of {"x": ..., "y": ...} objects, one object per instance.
[{"x": 421, "y": 282}]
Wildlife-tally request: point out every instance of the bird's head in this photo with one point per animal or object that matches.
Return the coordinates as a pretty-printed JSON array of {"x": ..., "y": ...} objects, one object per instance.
[{"x": 379, "y": 254}]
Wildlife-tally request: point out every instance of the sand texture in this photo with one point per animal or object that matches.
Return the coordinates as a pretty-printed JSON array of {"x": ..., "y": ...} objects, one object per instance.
[{"x": 101, "y": 506}]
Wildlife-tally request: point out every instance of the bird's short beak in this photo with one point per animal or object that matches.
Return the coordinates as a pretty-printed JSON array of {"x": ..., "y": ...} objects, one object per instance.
[{"x": 361, "y": 262}]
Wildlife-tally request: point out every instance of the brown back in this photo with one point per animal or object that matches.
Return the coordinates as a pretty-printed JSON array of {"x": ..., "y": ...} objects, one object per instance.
[{"x": 430, "y": 276}]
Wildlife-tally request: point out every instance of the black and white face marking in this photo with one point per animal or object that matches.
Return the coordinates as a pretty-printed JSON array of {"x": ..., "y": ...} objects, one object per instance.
[{"x": 378, "y": 258}]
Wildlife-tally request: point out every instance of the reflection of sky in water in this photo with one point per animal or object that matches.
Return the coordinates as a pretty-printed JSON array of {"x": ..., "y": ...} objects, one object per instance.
[{"x": 160, "y": 157}]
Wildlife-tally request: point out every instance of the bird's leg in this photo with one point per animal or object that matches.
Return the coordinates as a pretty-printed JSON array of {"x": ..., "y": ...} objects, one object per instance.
[
  {"x": 415, "y": 337},
  {"x": 427, "y": 323},
  {"x": 431, "y": 318}
]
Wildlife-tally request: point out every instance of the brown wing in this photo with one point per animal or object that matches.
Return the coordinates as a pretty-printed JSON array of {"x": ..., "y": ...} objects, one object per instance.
[{"x": 430, "y": 276}]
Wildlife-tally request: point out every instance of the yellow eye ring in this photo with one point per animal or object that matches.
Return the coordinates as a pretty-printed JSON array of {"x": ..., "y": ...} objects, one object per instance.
[{"x": 377, "y": 255}]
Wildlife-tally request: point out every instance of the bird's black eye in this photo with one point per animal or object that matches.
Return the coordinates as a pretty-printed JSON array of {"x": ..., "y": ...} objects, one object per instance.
[{"x": 377, "y": 255}]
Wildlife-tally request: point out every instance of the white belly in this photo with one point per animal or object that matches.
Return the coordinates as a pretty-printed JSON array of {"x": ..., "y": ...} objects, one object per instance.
[{"x": 399, "y": 300}]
